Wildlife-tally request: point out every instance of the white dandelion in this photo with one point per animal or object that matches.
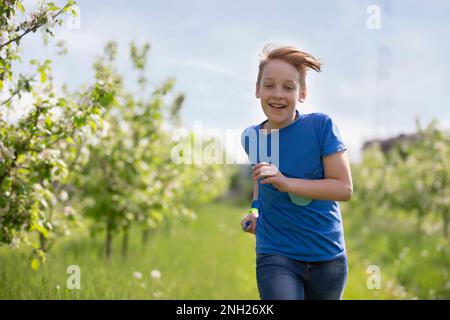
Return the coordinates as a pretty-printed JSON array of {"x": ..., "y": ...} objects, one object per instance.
[{"x": 155, "y": 274}]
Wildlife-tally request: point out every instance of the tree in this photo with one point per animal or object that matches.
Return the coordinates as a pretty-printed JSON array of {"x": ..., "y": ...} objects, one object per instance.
[
  {"x": 130, "y": 176},
  {"x": 36, "y": 150}
]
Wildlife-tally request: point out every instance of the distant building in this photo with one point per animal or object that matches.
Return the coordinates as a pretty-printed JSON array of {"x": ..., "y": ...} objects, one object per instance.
[{"x": 387, "y": 144}]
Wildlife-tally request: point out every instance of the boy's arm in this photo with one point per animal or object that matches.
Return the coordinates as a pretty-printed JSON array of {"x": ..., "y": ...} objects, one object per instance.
[
  {"x": 250, "y": 218},
  {"x": 337, "y": 184}
]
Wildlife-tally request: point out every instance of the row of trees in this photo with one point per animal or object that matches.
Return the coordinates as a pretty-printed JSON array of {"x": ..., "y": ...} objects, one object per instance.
[
  {"x": 99, "y": 153},
  {"x": 413, "y": 176}
]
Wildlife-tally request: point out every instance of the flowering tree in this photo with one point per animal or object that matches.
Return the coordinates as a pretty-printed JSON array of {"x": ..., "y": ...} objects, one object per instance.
[
  {"x": 102, "y": 148},
  {"x": 130, "y": 176},
  {"x": 38, "y": 150}
]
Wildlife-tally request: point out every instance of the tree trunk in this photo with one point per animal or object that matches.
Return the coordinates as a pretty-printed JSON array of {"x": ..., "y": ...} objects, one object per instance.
[
  {"x": 42, "y": 242},
  {"x": 145, "y": 236},
  {"x": 125, "y": 242},
  {"x": 419, "y": 225},
  {"x": 445, "y": 223},
  {"x": 108, "y": 244}
]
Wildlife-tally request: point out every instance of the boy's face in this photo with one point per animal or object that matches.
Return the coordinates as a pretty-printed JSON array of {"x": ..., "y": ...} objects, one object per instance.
[{"x": 279, "y": 91}]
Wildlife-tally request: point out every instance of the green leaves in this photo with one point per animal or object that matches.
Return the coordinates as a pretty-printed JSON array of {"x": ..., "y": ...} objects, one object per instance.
[
  {"x": 105, "y": 98},
  {"x": 139, "y": 56},
  {"x": 43, "y": 69},
  {"x": 3, "y": 202},
  {"x": 52, "y": 6},
  {"x": 37, "y": 258},
  {"x": 35, "y": 264},
  {"x": 20, "y": 7}
]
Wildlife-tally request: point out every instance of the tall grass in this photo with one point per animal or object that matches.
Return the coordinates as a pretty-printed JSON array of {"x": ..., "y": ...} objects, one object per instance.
[{"x": 207, "y": 258}]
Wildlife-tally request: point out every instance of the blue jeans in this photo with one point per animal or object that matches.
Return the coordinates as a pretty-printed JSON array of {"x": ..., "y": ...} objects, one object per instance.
[{"x": 282, "y": 278}]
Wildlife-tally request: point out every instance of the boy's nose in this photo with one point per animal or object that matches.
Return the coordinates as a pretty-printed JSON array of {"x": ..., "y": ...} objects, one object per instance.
[{"x": 278, "y": 93}]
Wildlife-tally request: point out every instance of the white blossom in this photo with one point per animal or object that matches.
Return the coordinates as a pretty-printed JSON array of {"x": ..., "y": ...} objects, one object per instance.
[
  {"x": 155, "y": 274},
  {"x": 4, "y": 37},
  {"x": 51, "y": 22},
  {"x": 48, "y": 154},
  {"x": 3, "y": 54},
  {"x": 64, "y": 196},
  {"x": 33, "y": 18},
  {"x": 12, "y": 20},
  {"x": 15, "y": 243},
  {"x": 69, "y": 211}
]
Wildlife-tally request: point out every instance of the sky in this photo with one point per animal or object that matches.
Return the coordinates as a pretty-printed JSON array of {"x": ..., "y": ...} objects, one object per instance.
[{"x": 374, "y": 84}]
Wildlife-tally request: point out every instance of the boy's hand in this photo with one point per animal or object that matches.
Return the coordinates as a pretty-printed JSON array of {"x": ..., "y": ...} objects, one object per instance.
[
  {"x": 248, "y": 223},
  {"x": 269, "y": 173}
]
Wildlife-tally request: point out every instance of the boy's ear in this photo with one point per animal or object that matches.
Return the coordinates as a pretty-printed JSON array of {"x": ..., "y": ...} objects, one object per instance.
[
  {"x": 257, "y": 92},
  {"x": 302, "y": 95}
]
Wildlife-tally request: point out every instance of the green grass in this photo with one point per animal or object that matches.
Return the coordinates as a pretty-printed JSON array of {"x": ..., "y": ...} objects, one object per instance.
[
  {"x": 412, "y": 265},
  {"x": 207, "y": 258}
]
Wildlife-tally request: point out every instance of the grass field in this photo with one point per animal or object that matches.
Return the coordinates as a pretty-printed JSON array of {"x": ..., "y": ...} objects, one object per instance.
[{"x": 207, "y": 258}]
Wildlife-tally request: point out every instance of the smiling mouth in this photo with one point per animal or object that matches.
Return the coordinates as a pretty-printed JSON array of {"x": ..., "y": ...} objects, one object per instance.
[{"x": 277, "y": 106}]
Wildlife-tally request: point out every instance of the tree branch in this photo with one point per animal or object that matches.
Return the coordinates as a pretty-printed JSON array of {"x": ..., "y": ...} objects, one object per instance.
[{"x": 28, "y": 30}]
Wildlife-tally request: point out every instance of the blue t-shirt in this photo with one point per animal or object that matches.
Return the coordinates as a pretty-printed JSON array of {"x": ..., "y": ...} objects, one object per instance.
[{"x": 297, "y": 227}]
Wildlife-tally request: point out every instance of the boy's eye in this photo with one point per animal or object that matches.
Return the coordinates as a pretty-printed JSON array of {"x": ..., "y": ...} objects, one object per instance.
[{"x": 271, "y": 85}]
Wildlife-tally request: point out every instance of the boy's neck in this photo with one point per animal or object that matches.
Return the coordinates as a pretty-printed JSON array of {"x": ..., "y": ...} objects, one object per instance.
[{"x": 274, "y": 126}]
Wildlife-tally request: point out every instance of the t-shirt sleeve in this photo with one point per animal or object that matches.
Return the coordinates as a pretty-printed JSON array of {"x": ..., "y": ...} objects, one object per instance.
[{"x": 331, "y": 138}]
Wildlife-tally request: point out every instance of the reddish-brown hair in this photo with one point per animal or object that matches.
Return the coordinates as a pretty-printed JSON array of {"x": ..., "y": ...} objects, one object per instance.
[{"x": 301, "y": 60}]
